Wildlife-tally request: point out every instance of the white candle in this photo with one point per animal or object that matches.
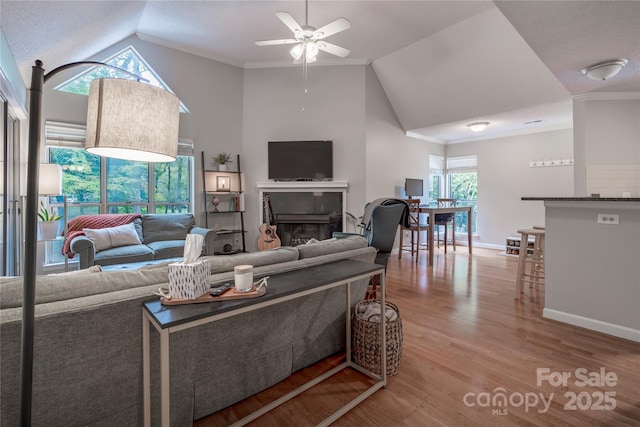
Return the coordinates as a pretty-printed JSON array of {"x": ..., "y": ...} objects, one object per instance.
[{"x": 243, "y": 275}]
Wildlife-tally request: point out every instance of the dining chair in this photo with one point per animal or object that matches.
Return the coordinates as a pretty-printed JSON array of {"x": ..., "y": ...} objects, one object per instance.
[
  {"x": 444, "y": 220},
  {"x": 415, "y": 228}
]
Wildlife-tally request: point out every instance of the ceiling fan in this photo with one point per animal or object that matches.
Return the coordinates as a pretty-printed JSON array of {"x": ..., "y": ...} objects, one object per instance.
[{"x": 309, "y": 40}]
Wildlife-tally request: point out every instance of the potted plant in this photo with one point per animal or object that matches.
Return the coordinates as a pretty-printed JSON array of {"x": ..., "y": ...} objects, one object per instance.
[
  {"x": 48, "y": 223},
  {"x": 222, "y": 160}
]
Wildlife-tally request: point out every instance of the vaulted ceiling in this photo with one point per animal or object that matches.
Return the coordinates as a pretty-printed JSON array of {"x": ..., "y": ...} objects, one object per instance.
[{"x": 442, "y": 64}]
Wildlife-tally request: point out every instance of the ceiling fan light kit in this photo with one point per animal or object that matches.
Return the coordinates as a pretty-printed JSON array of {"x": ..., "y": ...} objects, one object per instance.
[
  {"x": 605, "y": 70},
  {"x": 307, "y": 38}
]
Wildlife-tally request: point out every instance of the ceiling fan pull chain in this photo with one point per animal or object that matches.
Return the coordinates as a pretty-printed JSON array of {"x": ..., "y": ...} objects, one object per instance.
[{"x": 304, "y": 77}]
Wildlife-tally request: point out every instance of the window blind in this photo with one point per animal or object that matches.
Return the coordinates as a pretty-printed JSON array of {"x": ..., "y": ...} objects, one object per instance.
[
  {"x": 59, "y": 134},
  {"x": 436, "y": 165},
  {"x": 70, "y": 135},
  {"x": 461, "y": 164}
]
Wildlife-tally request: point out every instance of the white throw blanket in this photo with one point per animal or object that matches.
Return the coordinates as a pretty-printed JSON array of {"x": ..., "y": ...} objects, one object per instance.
[{"x": 371, "y": 313}]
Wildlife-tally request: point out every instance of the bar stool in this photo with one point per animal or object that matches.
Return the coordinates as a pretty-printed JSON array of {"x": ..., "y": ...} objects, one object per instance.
[{"x": 534, "y": 260}]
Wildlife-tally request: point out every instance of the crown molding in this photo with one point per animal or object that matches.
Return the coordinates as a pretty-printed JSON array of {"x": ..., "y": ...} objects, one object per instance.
[
  {"x": 517, "y": 132},
  {"x": 607, "y": 96},
  {"x": 197, "y": 52},
  {"x": 425, "y": 138}
]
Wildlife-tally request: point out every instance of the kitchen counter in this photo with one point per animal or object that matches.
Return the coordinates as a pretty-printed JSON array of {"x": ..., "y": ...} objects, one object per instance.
[
  {"x": 592, "y": 263},
  {"x": 582, "y": 199}
]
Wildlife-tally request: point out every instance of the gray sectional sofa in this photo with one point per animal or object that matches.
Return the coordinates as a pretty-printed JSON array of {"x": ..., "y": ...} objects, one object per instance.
[
  {"x": 88, "y": 345},
  {"x": 162, "y": 236}
]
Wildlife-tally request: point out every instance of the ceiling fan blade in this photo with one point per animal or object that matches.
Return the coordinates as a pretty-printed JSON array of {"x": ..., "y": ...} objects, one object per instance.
[
  {"x": 288, "y": 20},
  {"x": 333, "y": 49},
  {"x": 331, "y": 28},
  {"x": 275, "y": 42}
]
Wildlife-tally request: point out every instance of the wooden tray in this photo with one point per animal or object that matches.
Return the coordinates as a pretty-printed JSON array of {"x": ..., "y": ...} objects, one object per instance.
[{"x": 231, "y": 294}]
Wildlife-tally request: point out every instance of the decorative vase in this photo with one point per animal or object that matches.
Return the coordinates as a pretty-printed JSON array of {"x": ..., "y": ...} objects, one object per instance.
[
  {"x": 48, "y": 230},
  {"x": 222, "y": 168},
  {"x": 215, "y": 202}
]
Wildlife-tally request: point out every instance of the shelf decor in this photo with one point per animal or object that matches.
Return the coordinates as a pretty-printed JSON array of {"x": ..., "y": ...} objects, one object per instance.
[{"x": 223, "y": 183}]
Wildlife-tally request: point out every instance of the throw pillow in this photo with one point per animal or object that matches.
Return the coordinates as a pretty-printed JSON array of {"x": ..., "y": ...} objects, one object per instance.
[{"x": 106, "y": 238}]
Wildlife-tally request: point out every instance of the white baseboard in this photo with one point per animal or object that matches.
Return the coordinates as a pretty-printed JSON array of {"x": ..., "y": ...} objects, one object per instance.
[
  {"x": 593, "y": 324},
  {"x": 461, "y": 242},
  {"x": 487, "y": 246}
]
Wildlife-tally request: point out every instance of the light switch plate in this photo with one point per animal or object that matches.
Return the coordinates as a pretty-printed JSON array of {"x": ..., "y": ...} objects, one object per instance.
[{"x": 611, "y": 219}]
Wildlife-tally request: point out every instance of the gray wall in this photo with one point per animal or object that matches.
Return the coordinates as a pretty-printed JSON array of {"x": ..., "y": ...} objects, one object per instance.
[
  {"x": 607, "y": 133},
  {"x": 504, "y": 176},
  {"x": 391, "y": 156},
  {"x": 334, "y": 109},
  {"x": 239, "y": 111},
  {"x": 592, "y": 269}
]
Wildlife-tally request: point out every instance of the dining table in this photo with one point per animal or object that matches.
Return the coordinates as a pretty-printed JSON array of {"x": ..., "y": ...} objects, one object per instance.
[{"x": 432, "y": 211}]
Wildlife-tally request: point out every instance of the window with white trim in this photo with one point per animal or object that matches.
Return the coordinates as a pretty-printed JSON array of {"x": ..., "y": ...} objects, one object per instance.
[
  {"x": 127, "y": 59},
  {"x": 462, "y": 185},
  {"x": 94, "y": 184},
  {"x": 436, "y": 177}
]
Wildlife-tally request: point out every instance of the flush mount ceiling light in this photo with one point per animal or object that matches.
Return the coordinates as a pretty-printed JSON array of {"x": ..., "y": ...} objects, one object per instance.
[
  {"x": 605, "y": 70},
  {"x": 478, "y": 126}
]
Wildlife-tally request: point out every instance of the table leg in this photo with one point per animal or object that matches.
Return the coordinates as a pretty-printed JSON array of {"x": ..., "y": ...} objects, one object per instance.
[
  {"x": 432, "y": 220},
  {"x": 469, "y": 225},
  {"x": 383, "y": 326},
  {"x": 146, "y": 370},
  {"x": 164, "y": 379},
  {"x": 348, "y": 322}
]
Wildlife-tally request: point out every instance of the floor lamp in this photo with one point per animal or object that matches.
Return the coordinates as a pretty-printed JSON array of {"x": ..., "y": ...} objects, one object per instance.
[{"x": 126, "y": 119}]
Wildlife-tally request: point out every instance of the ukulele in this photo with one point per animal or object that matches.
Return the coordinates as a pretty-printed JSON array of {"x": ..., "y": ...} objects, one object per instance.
[{"x": 268, "y": 238}]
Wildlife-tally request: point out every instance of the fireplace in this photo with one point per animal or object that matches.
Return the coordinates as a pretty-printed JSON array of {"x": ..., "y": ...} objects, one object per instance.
[{"x": 305, "y": 210}]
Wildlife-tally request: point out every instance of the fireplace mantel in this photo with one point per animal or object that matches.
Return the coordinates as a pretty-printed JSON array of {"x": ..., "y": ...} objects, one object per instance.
[{"x": 302, "y": 186}]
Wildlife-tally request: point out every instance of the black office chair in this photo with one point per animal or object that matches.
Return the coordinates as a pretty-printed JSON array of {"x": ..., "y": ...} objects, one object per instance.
[{"x": 381, "y": 231}]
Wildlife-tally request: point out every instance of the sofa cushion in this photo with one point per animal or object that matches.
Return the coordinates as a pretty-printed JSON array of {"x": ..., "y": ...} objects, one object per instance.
[
  {"x": 131, "y": 253},
  {"x": 167, "y": 249},
  {"x": 92, "y": 269},
  {"x": 331, "y": 246},
  {"x": 113, "y": 237},
  {"x": 55, "y": 287},
  {"x": 159, "y": 227},
  {"x": 222, "y": 263}
]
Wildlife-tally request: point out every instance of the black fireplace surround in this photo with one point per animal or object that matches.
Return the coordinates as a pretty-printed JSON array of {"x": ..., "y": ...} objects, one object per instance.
[{"x": 301, "y": 216}]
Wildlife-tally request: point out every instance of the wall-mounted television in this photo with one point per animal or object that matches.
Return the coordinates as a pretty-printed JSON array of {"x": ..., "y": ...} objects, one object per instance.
[
  {"x": 413, "y": 187},
  {"x": 300, "y": 160}
]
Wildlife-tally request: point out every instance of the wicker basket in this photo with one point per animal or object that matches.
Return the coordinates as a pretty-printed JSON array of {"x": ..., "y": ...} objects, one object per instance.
[{"x": 366, "y": 340}]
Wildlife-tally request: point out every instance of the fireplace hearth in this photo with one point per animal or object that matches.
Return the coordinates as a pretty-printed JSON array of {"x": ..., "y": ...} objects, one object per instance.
[{"x": 295, "y": 230}]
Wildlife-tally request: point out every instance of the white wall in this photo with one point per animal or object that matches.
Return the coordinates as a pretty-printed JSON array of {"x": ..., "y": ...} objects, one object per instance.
[
  {"x": 504, "y": 176},
  {"x": 334, "y": 109},
  {"x": 607, "y": 133}
]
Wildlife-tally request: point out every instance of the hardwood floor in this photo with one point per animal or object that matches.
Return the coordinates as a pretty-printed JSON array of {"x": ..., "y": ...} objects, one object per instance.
[{"x": 465, "y": 337}]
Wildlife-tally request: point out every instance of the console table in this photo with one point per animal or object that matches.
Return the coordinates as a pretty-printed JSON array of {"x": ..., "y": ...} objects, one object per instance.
[{"x": 281, "y": 287}]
